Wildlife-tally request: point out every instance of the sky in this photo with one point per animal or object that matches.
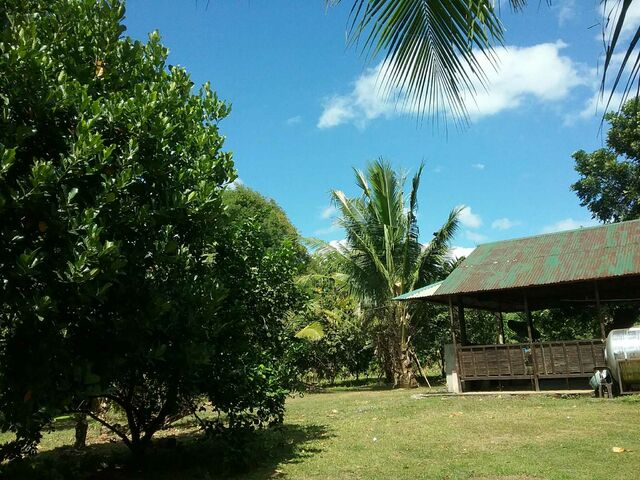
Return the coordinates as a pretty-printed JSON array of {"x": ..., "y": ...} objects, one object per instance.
[{"x": 306, "y": 110}]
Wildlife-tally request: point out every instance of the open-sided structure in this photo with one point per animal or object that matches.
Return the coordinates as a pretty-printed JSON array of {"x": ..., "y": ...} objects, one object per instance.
[{"x": 588, "y": 266}]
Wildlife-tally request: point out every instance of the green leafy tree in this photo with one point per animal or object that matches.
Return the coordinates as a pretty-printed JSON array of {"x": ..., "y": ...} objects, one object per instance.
[
  {"x": 609, "y": 184},
  {"x": 383, "y": 258},
  {"x": 121, "y": 278},
  {"x": 243, "y": 203}
]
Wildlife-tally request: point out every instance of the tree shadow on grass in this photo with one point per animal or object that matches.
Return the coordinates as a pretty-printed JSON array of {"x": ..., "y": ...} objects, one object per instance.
[
  {"x": 351, "y": 385},
  {"x": 185, "y": 456},
  {"x": 368, "y": 385}
]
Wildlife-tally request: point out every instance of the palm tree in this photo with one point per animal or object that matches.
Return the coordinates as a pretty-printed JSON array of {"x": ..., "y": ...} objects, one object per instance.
[
  {"x": 383, "y": 258},
  {"x": 432, "y": 48}
]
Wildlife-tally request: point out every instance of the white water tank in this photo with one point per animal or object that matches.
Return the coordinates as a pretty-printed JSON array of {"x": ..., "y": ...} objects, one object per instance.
[{"x": 624, "y": 345}]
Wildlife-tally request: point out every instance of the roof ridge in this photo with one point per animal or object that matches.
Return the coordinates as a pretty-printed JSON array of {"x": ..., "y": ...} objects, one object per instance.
[
  {"x": 562, "y": 253},
  {"x": 563, "y": 232}
]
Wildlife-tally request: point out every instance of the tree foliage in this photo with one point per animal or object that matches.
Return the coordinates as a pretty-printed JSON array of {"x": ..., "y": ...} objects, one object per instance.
[
  {"x": 337, "y": 342},
  {"x": 609, "y": 184},
  {"x": 121, "y": 278},
  {"x": 242, "y": 204}
]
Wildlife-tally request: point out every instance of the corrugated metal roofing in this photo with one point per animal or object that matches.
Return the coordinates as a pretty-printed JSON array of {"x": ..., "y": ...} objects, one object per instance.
[
  {"x": 593, "y": 253},
  {"x": 420, "y": 292}
]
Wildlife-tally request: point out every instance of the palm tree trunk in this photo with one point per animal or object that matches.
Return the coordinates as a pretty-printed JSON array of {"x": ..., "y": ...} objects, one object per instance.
[{"x": 405, "y": 376}]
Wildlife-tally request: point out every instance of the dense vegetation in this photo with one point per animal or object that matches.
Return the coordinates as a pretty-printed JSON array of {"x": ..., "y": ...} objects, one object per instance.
[{"x": 123, "y": 280}]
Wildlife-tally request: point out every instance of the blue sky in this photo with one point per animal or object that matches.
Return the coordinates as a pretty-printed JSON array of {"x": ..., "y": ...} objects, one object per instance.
[{"x": 306, "y": 110}]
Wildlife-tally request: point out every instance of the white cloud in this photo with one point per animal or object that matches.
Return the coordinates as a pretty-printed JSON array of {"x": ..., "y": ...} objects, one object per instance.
[
  {"x": 328, "y": 212},
  {"x": 504, "y": 223},
  {"x": 457, "y": 252},
  {"x": 565, "y": 10},
  {"x": 364, "y": 103},
  {"x": 236, "y": 183},
  {"x": 326, "y": 231},
  {"x": 475, "y": 236},
  {"x": 568, "y": 224},
  {"x": 539, "y": 73},
  {"x": 293, "y": 120},
  {"x": 468, "y": 218},
  {"x": 594, "y": 107},
  {"x": 478, "y": 166}
]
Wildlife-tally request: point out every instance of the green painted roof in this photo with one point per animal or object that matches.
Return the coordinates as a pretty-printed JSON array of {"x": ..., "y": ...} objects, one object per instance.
[
  {"x": 593, "y": 253},
  {"x": 420, "y": 292}
]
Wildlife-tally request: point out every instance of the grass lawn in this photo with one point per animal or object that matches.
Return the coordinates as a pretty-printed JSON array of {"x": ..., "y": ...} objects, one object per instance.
[{"x": 380, "y": 434}]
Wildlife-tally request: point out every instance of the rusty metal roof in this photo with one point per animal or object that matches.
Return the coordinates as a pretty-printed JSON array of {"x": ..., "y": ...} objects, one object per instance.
[{"x": 593, "y": 253}]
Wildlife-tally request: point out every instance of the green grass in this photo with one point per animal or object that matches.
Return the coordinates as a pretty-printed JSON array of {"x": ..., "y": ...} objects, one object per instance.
[{"x": 363, "y": 432}]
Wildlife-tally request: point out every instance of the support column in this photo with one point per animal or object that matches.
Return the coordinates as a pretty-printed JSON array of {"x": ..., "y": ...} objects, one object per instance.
[
  {"x": 455, "y": 344},
  {"x": 463, "y": 324},
  {"x": 500, "y": 328},
  {"x": 603, "y": 333},
  {"x": 531, "y": 346}
]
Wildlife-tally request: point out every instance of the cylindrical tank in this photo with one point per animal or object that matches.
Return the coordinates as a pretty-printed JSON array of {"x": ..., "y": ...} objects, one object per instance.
[{"x": 624, "y": 344}]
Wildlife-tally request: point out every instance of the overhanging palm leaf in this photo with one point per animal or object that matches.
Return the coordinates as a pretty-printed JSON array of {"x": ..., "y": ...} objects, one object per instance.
[
  {"x": 615, "y": 13},
  {"x": 432, "y": 48}
]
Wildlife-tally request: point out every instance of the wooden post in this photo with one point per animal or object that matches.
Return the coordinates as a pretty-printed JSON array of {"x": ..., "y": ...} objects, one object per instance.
[
  {"x": 463, "y": 324},
  {"x": 531, "y": 346},
  {"x": 599, "y": 310},
  {"x": 455, "y": 343}
]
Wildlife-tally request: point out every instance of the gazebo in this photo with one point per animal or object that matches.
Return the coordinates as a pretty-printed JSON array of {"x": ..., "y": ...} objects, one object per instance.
[{"x": 588, "y": 266}]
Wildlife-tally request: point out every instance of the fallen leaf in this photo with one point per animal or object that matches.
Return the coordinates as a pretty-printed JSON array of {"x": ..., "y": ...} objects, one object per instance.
[{"x": 618, "y": 450}]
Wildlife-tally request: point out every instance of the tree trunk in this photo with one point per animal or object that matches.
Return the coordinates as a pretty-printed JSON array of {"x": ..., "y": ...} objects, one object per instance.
[
  {"x": 82, "y": 425},
  {"x": 404, "y": 374},
  {"x": 384, "y": 352}
]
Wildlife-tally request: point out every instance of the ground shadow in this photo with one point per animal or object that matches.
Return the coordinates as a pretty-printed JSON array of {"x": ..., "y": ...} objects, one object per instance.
[
  {"x": 366, "y": 385},
  {"x": 256, "y": 456}
]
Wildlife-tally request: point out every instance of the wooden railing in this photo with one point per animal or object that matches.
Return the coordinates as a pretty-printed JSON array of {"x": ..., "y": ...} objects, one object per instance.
[{"x": 567, "y": 359}]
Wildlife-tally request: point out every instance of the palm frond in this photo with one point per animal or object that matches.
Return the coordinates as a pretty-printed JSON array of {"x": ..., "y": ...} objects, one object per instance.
[
  {"x": 615, "y": 13},
  {"x": 433, "y": 257},
  {"x": 312, "y": 332},
  {"x": 411, "y": 246},
  {"x": 362, "y": 256},
  {"x": 432, "y": 48}
]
